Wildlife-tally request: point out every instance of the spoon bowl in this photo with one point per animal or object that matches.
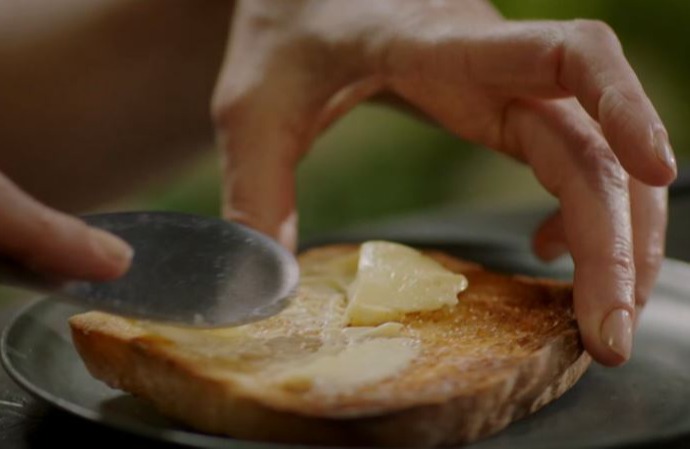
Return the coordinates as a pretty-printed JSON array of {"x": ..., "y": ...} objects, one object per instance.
[{"x": 187, "y": 270}]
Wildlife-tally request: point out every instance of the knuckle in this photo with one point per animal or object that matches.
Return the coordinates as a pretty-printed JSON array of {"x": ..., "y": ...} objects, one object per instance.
[
  {"x": 550, "y": 36},
  {"x": 613, "y": 258},
  {"x": 617, "y": 100},
  {"x": 621, "y": 265},
  {"x": 620, "y": 260},
  {"x": 621, "y": 94},
  {"x": 612, "y": 100},
  {"x": 595, "y": 30},
  {"x": 603, "y": 169}
]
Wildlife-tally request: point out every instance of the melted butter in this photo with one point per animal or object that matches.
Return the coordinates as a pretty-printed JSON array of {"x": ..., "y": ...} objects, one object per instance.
[
  {"x": 329, "y": 276},
  {"x": 309, "y": 345},
  {"x": 393, "y": 280},
  {"x": 357, "y": 364},
  {"x": 382, "y": 330}
]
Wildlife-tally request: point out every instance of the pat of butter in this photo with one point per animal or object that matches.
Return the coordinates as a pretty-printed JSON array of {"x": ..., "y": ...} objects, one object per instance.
[
  {"x": 358, "y": 364},
  {"x": 394, "y": 279}
]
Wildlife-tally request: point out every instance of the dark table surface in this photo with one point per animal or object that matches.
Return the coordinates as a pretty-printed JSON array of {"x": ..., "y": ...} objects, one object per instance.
[{"x": 29, "y": 423}]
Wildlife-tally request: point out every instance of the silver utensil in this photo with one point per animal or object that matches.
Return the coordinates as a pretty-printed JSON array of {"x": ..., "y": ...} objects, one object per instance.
[{"x": 187, "y": 269}]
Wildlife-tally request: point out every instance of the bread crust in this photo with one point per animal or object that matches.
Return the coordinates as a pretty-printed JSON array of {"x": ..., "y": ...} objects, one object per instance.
[{"x": 427, "y": 407}]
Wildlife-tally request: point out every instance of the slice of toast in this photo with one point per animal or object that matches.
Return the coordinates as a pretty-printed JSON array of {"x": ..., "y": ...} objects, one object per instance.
[{"x": 509, "y": 347}]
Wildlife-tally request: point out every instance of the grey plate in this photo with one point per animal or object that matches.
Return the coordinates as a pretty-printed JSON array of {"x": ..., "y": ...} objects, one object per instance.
[{"x": 644, "y": 402}]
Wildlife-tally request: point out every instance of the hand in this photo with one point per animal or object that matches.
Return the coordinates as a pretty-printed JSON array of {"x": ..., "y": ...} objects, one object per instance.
[
  {"x": 54, "y": 243},
  {"x": 559, "y": 96}
]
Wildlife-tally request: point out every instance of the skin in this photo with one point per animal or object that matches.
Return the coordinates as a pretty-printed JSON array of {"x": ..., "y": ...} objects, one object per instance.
[{"x": 559, "y": 96}]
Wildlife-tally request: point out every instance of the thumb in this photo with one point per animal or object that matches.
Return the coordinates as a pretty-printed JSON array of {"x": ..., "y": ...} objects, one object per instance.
[{"x": 54, "y": 243}]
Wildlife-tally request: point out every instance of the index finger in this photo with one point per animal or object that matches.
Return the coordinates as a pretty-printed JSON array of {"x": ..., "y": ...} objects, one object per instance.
[{"x": 583, "y": 58}]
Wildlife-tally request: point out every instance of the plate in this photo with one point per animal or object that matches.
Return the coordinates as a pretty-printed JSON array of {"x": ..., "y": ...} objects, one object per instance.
[{"x": 644, "y": 402}]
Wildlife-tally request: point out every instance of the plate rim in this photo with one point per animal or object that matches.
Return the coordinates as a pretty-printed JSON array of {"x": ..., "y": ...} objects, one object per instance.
[{"x": 169, "y": 435}]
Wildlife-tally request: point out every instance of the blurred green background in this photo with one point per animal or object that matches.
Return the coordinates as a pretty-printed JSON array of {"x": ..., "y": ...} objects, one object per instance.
[{"x": 377, "y": 162}]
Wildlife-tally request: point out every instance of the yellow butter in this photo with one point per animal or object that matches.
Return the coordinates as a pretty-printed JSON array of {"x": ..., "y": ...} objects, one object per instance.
[
  {"x": 393, "y": 280},
  {"x": 358, "y": 364}
]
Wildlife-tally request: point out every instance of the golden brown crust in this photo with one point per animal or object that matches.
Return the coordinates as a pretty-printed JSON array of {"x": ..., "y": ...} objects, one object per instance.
[{"x": 509, "y": 347}]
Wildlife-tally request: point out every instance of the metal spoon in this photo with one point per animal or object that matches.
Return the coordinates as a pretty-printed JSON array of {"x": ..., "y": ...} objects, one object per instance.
[{"x": 187, "y": 269}]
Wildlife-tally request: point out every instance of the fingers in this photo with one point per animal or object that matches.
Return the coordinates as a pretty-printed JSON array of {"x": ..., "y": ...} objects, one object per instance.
[
  {"x": 54, "y": 243},
  {"x": 649, "y": 216},
  {"x": 260, "y": 155},
  {"x": 259, "y": 188},
  {"x": 262, "y": 135},
  {"x": 574, "y": 162},
  {"x": 278, "y": 89},
  {"x": 257, "y": 109},
  {"x": 585, "y": 59},
  {"x": 261, "y": 140},
  {"x": 598, "y": 230},
  {"x": 596, "y": 71}
]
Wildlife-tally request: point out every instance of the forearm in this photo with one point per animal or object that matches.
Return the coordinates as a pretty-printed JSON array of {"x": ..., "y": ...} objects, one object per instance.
[{"x": 98, "y": 97}]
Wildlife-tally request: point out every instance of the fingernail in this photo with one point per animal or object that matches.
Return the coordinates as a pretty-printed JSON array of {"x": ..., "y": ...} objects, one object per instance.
[
  {"x": 616, "y": 332},
  {"x": 114, "y": 248},
  {"x": 663, "y": 148}
]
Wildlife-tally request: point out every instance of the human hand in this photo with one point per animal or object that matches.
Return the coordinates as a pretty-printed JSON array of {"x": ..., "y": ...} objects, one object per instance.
[
  {"x": 56, "y": 244},
  {"x": 559, "y": 96}
]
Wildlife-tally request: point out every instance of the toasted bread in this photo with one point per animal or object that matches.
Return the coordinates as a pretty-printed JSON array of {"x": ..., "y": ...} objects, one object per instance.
[{"x": 509, "y": 347}]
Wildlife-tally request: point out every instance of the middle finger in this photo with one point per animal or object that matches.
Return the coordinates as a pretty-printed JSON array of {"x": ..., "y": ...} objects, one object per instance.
[{"x": 573, "y": 161}]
